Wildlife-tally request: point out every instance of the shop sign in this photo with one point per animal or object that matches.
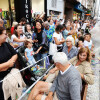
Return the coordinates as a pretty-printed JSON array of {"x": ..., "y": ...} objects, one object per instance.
[{"x": 79, "y": 7}]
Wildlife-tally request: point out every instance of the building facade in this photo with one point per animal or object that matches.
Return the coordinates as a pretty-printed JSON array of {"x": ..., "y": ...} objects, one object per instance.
[
  {"x": 97, "y": 9},
  {"x": 79, "y": 9},
  {"x": 56, "y": 7}
]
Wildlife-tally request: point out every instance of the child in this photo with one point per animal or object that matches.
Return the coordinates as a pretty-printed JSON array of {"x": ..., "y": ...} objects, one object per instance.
[
  {"x": 88, "y": 43},
  {"x": 80, "y": 44},
  {"x": 29, "y": 53}
]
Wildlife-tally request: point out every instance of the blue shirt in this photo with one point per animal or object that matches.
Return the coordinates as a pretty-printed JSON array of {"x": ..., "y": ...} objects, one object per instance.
[
  {"x": 72, "y": 53},
  {"x": 50, "y": 32},
  {"x": 29, "y": 53}
]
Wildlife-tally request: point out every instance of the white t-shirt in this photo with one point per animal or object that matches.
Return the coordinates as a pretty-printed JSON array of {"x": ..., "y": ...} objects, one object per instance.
[
  {"x": 84, "y": 26},
  {"x": 59, "y": 37},
  {"x": 89, "y": 44},
  {"x": 19, "y": 43}
]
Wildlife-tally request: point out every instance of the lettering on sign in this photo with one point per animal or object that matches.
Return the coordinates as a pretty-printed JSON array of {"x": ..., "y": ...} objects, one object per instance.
[
  {"x": 26, "y": 11},
  {"x": 26, "y": 6}
]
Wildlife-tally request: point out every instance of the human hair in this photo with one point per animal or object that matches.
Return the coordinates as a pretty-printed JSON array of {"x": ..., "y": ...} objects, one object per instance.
[
  {"x": 23, "y": 20},
  {"x": 88, "y": 34},
  {"x": 79, "y": 29},
  {"x": 81, "y": 38},
  {"x": 82, "y": 50},
  {"x": 59, "y": 27},
  {"x": 14, "y": 24},
  {"x": 26, "y": 27},
  {"x": 64, "y": 25},
  {"x": 26, "y": 43},
  {"x": 35, "y": 29},
  {"x": 75, "y": 21},
  {"x": 61, "y": 58},
  {"x": 46, "y": 25},
  {"x": 15, "y": 28},
  {"x": 71, "y": 38},
  {"x": 1, "y": 30}
]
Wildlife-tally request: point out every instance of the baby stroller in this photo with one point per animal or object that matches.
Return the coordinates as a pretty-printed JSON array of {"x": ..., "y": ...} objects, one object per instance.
[{"x": 30, "y": 75}]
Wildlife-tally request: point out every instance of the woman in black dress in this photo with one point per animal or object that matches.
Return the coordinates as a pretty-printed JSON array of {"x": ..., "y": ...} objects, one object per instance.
[{"x": 8, "y": 57}]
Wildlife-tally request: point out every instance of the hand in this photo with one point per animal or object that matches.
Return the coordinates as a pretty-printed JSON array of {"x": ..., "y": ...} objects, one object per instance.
[
  {"x": 82, "y": 76},
  {"x": 45, "y": 77},
  {"x": 11, "y": 63},
  {"x": 49, "y": 98},
  {"x": 30, "y": 40},
  {"x": 52, "y": 71},
  {"x": 35, "y": 40},
  {"x": 36, "y": 52},
  {"x": 15, "y": 45},
  {"x": 27, "y": 59},
  {"x": 33, "y": 53}
]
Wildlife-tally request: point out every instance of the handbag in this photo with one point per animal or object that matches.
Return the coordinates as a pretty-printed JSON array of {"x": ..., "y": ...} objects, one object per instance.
[{"x": 52, "y": 48}]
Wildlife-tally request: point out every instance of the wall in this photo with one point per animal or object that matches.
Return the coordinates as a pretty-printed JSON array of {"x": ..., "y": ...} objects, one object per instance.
[
  {"x": 38, "y": 6},
  {"x": 4, "y": 5}
]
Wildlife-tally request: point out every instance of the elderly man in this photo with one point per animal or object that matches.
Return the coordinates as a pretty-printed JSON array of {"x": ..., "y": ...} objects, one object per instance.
[{"x": 66, "y": 86}]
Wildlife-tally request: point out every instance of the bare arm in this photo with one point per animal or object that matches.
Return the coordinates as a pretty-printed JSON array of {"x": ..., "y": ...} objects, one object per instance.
[
  {"x": 19, "y": 40},
  {"x": 50, "y": 96},
  {"x": 22, "y": 40},
  {"x": 26, "y": 56},
  {"x": 8, "y": 64},
  {"x": 58, "y": 42},
  {"x": 53, "y": 70},
  {"x": 39, "y": 49}
]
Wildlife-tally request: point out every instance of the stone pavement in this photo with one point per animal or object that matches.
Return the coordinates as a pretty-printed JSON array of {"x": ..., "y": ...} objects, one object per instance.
[{"x": 93, "y": 92}]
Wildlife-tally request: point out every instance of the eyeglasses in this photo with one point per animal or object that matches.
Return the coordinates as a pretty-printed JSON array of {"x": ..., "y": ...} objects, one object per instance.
[{"x": 68, "y": 41}]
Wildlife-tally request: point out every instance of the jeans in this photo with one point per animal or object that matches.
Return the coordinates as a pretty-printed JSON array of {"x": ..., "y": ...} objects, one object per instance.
[{"x": 40, "y": 56}]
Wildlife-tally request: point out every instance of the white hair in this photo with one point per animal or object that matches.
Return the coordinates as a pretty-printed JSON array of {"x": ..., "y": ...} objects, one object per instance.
[
  {"x": 14, "y": 23},
  {"x": 61, "y": 58},
  {"x": 71, "y": 38}
]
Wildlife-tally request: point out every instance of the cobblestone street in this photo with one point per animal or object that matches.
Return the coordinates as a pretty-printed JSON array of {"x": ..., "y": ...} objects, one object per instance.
[{"x": 93, "y": 92}]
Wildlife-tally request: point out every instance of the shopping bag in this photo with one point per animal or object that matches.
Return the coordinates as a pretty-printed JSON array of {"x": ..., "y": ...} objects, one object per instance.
[
  {"x": 47, "y": 62},
  {"x": 52, "y": 49}
]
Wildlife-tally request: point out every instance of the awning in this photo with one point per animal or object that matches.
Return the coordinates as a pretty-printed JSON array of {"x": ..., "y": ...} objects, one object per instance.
[{"x": 79, "y": 7}]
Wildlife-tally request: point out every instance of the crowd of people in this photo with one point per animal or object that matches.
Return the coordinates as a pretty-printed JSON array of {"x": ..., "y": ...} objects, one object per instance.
[{"x": 72, "y": 61}]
